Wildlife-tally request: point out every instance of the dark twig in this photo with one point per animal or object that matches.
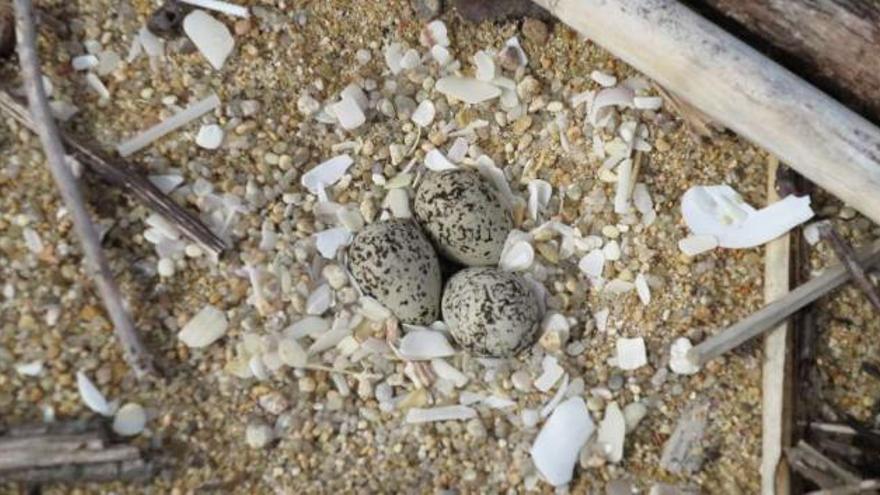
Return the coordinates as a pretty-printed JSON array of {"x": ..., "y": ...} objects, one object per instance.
[
  {"x": 120, "y": 173},
  {"x": 847, "y": 256},
  {"x": 134, "y": 351},
  {"x": 861, "y": 487}
]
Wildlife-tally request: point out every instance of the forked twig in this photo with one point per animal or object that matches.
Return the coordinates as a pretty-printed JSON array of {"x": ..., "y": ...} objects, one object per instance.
[{"x": 133, "y": 349}]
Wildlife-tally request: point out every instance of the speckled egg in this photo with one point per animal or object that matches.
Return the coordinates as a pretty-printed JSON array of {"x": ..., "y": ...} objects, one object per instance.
[
  {"x": 463, "y": 215},
  {"x": 395, "y": 263},
  {"x": 490, "y": 312}
]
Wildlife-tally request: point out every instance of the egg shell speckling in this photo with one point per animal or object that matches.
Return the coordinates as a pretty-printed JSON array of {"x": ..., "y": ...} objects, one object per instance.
[
  {"x": 395, "y": 263},
  {"x": 463, "y": 215},
  {"x": 490, "y": 312}
]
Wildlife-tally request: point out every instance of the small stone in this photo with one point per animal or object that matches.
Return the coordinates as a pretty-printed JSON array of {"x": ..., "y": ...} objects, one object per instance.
[
  {"x": 307, "y": 384},
  {"x": 210, "y": 137},
  {"x": 258, "y": 435},
  {"x": 847, "y": 213},
  {"x": 522, "y": 124},
  {"x": 535, "y": 31},
  {"x": 335, "y": 276},
  {"x": 165, "y": 267},
  {"x": 427, "y": 9},
  {"x": 273, "y": 403},
  {"x": 615, "y": 382}
]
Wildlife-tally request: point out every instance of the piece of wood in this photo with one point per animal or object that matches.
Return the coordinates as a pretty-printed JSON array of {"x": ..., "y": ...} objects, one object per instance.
[
  {"x": 866, "y": 486},
  {"x": 776, "y": 373},
  {"x": 133, "y": 350},
  {"x": 778, "y": 311},
  {"x": 831, "y": 43},
  {"x": 121, "y": 173},
  {"x": 818, "y": 468},
  {"x": 739, "y": 88},
  {"x": 846, "y": 256}
]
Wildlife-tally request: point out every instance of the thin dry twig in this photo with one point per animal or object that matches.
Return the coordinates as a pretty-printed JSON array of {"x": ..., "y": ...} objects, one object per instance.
[
  {"x": 847, "y": 256},
  {"x": 133, "y": 349},
  {"x": 861, "y": 487},
  {"x": 121, "y": 173}
]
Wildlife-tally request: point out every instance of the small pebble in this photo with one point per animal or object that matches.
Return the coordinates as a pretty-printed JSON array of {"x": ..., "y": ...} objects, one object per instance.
[
  {"x": 165, "y": 267},
  {"x": 258, "y": 435},
  {"x": 535, "y": 31}
]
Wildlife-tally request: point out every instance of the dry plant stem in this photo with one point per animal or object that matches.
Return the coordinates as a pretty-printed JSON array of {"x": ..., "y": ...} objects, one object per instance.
[
  {"x": 778, "y": 311},
  {"x": 121, "y": 173},
  {"x": 133, "y": 349},
  {"x": 847, "y": 257},
  {"x": 867, "y": 486},
  {"x": 818, "y": 468}
]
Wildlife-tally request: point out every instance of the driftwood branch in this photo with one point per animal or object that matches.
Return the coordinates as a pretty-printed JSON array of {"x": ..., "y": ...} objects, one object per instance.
[
  {"x": 68, "y": 452},
  {"x": 847, "y": 257},
  {"x": 867, "y": 486},
  {"x": 122, "y": 174},
  {"x": 778, "y": 311},
  {"x": 133, "y": 349},
  {"x": 815, "y": 466}
]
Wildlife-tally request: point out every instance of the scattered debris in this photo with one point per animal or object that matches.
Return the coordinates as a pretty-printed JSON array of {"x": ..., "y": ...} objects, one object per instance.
[
  {"x": 559, "y": 443},
  {"x": 178, "y": 120}
]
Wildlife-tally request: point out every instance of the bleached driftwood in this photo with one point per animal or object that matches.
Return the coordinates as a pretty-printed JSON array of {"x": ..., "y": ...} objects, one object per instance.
[{"x": 739, "y": 88}]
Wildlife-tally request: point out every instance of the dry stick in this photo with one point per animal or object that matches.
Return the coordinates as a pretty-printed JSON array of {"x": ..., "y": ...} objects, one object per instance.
[
  {"x": 847, "y": 257},
  {"x": 134, "y": 351},
  {"x": 776, "y": 312},
  {"x": 861, "y": 487},
  {"x": 121, "y": 173}
]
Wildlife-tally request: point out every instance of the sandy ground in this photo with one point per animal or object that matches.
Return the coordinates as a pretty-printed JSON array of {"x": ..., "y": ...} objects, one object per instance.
[{"x": 345, "y": 444}]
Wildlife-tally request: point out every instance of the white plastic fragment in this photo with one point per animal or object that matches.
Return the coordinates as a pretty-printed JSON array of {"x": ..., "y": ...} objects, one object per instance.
[
  {"x": 210, "y": 136},
  {"x": 210, "y": 36},
  {"x": 91, "y": 396},
  {"x": 446, "y": 371},
  {"x": 631, "y": 353},
  {"x": 444, "y": 413},
  {"x": 642, "y": 289},
  {"x": 168, "y": 125},
  {"x": 551, "y": 374},
  {"x": 424, "y": 113},
  {"x": 418, "y": 345},
  {"x": 220, "y": 6},
  {"x": 436, "y": 162},
  {"x": 349, "y": 114},
  {"x": 678, "y": 360},
  {"x": 648, "y": 102},
  {"x": 559, "y": 443},
  {"x": 467, "y": 90},
  {"x": 203, "y": 329},
  {"x": 129, "y": 420},
  {"x": 721, "y": 211},
  {"x": 319, "y": 300},
  {"x": 603, "y": 78},
  {"x": 693, "y": 245},
  {"x": 327, "y": 173},
  {"x": 485, "y": 66},
  {"x": 540, "y": 192},
  {"x": 612, "y": 433}
]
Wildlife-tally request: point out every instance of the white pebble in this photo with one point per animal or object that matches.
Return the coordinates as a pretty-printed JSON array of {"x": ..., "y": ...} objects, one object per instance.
[
  {"x": 678, "y": 360},
  {"x": 129, "y": 420},
  {"x": 424, "y": 113},
  {"x": 258, "y": 435},
  {"x": 604, "y": 79},
  {"x": 210, "y": 136},
  {"x": 165, "y": 267},
  {"x": 631, "y": 353}
]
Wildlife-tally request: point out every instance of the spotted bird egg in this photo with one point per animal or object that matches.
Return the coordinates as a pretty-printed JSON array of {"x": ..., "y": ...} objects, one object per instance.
[
  {"x": 394, "y": 262},
  {"x": 463, "y": 215},
  {"x": 490, "y": 312}
]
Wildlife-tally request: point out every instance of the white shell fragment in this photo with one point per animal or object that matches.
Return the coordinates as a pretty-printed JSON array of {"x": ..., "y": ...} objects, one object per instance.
[
  {"x": 539, "y": 195},
  {"x": 435, "y": 33},
  {"x": 446, "y": 371},
  {"x": 617, "y": 96},
  {"x": 220, "y": 6},
  {"x": 97, "y": 86},
  {"x": 129, "y": 420},
  {"x": 33, "y": 368},
  {"x": 467, "y": 90},
  {"x": 424, "y": 114},
  {"x": 552, "y": 373},
  {"x": 631, "y": 353},
  {"x": 678, "y": 357},
  {"x": 693, "y": 245},
  {"x": 210, "y": 36},
  {"x": 84, "y": 62},
  {"x": 648, "y": 102},
  {"x": 210, "y": 137},
  {"x": 445, "y": 413},
  {"x": 612, "y": 433},
  {"x": 420, "y": 345},
  {"x": 292, "y": 354},
  {"x": 624, "y": 187},
  {"x": 435, "y": 161},
  {"x": 319, "y": 300},
  {"x": 485, "y": 66},
  {"x": 721, "y": 211},
  {"x": 559, "y": 443},
  {"x": 517, "y": 256},
  {"x": 593, "y": 264},
  {"x": 603, "y": 78},
  {"x": 204, "y": 328},
  {"x": 171, "y": 124},
  {"x": 327, "y": 173},
  {"x": 349, "y": 113},
  {"x": 91, "y": 396},
  {"x": 330, "y": 241},
  {"x": 642, "y": 289}
]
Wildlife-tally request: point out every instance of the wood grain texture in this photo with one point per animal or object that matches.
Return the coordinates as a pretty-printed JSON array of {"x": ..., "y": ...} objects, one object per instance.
[{"x": 831, "y": 43}]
